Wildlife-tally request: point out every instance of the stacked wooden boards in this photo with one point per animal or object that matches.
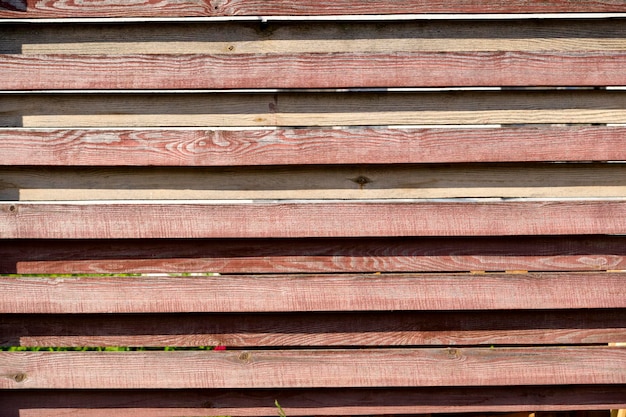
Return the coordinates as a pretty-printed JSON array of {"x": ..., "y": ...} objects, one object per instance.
[{"x": 377, "y": 208}]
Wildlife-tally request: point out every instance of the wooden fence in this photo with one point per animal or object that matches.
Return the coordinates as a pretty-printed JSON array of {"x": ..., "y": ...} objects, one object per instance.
[{"x": 364, "y": 202}]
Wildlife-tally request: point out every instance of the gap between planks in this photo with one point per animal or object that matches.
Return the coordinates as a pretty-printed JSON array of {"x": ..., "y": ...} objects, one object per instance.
[
  {"x": 307, "y": 402},
  {"x": 348, "y": 329}
]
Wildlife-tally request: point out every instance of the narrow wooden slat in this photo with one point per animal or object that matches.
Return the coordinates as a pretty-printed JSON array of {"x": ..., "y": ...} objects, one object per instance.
[
  {"x": 313, "y": 368},
  {"x": 306, "y": 219},
  {"x": 300, "y": 402},
  {"x": 311, "y": 109},
  {"x": 339, "y": 70},
  {"x": 520, "y": 327},
  {"x": 284, "y": 293},
  {"x": 315, "y": 182},
  {"x": 279, "y": 37},
  {"x": 309, "y": 146},
  {"x": 574, "y": 253},
  {"x": 119, "y": 8}
]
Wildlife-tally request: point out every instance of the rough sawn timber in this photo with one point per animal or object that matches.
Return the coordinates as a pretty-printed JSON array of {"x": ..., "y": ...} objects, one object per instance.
[
  {"x": 284, "y": 293},
  {"x": 205, "y": 147},
  {"x": 310, "y": 219},
  {"x": 200, "y": 8},
  {"x": 314, "y": 368},
  {"x": 313, "y": 70}
]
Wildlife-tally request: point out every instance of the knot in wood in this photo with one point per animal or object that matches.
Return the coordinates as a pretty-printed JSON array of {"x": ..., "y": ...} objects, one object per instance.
[
  {"x": 361, "y": 180},
  {"x": 21, "y": 377},
  {"x": 216, "y": 5},
  {"x": 453, "y": 353}
]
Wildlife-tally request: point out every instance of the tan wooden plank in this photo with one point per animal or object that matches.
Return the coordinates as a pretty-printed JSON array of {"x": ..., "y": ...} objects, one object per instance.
[
  {"x": 120, "y": 8},
  {"x": 313, "y": 70},
  {"x": 573, "y": 253},
  {"x": 306, "y": 37},
  {"x": 302, "y": 402},
  {"x": 442, "y": 328},
  {"x": 309, "y": 146},
  {"x": 278, "y": 293},
  {"x": 312, "y": 109},
  {"x": 337, "y": 182},
  {"x": 302, "y": 219},
  {"x": 314, "y": 368}
]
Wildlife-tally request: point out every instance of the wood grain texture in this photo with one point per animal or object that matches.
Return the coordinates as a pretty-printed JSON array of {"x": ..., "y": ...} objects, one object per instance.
[
  {"x": 103, "y": 8},
  {"x": 441, "y": 328},
  {"x": 119, "y": 8},
  {"x": 279, "y": 37},
  {"x": 285, "y": 293},
  {"x": 303, "y": 402},
  {"x": 561, "y": 253},
  {"x": 303, "y": 219},
  {"x": 312, "y": 109},
  {"x": 314, "y": 368},
  {"x": 316, "y": 70},
  {"x": 336, "y": 182},
  {"x": 281, "y": 7},
  {"x": 309, "y": 146}
]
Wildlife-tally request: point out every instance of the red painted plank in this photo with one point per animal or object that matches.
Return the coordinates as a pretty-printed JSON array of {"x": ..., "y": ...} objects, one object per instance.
[
  {"x": 102, "y": 8},
  {"x": 302, "y": 402},
  {"x": 309, "y": 146},
  {"x": 121, "y": 8},
  {"x": 323, "y": 70},
  {"x": 313, "y": 368},
  {"x": 310, "y": 219},
  {"x": 285, "y": 293},
  {"x": 573, "y": 253},
  {"x": 519, "y": 327},
  {"x": 327, "y": 7}
]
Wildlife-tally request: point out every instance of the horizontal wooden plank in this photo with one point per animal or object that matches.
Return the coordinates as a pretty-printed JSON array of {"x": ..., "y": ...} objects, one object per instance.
[
  {"x": 519, "y": 327},
  {"x": 315, "y": 182},
  {"x": 309, "y": 219},
  {"x": 561, "y": 253},
  {"x": 284, "y": 293},
  {"x": 99, "y": 8},
  {"x": 312, "y": 109},
  {"x": 302, "y": 402},
  {"x": 314, "y": 368},
  {"x": 280, "y": 37},
  {"x": 119, "y": 8},
  {"x": 309, "y": 146},
  {"x": 316, "y": 70}
]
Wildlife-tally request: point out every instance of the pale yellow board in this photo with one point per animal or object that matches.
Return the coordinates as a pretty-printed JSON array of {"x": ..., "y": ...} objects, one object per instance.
[
  {"x": 312, "y": 109},
  {"x": 534, "y": 181},
  {"x": 245, "y": 38}
]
